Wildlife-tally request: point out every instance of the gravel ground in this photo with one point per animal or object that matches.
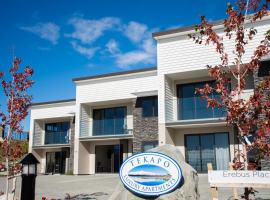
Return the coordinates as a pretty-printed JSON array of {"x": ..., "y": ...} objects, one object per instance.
[{"x": 101, "y": 186}]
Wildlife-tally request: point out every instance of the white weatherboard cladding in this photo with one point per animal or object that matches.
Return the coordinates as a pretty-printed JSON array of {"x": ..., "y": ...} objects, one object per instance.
[
  {"x": 43, "y": 112},
  {"x": 84, "y": 122},
  {"x": 115, "y": 88},
  {"x": 53, "y": 111},
  {"x": 168, "y": 99},
  {"x": 180, "y": 54}
]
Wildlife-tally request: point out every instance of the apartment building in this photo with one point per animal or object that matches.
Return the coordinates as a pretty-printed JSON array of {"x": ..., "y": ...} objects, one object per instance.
[{"x": 116, "y": 115}]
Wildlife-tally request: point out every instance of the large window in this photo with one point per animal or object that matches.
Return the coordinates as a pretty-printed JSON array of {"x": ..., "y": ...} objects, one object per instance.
[
  {"x": 149, "y": 106},
  {"x": 192, "y": 106},
  {"x": 207, "y": 148},
  {"x": 109, "y": 121},
  {"x": 57, "y": 133}
]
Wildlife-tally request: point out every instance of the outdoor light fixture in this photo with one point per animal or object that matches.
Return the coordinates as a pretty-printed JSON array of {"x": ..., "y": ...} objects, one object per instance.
[
  {"x": 29, "y": 169},
  {"x": 29, "y": 165},
  {"x": 29, "y": 173}
]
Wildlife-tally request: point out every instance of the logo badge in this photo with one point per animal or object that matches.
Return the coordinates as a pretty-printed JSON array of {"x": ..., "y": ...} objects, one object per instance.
[{"x": 150, "y": 174}]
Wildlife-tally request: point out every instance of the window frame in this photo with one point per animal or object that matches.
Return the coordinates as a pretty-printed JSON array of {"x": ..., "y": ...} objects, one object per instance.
[
  {"x": 102, "y": 118},
  {"x": 180, "y": 97},
  {"x": 154, "y": 106}
]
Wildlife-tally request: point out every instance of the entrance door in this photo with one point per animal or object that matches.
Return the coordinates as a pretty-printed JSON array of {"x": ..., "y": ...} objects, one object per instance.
[
  {"x": 207, "y": 148},
  {"x": 50, "y": 160},
  {"x": 56, "y": 162},
  {"x": 108, "y": 158}
]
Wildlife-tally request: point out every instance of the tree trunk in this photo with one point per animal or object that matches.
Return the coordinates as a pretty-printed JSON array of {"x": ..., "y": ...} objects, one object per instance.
[
  {"x": 7, "y": 162},
  {"x": 7, "y": 186}
]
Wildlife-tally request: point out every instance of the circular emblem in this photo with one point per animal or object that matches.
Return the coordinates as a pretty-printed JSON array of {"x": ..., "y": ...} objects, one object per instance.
[{"x": 150, "y": 174}]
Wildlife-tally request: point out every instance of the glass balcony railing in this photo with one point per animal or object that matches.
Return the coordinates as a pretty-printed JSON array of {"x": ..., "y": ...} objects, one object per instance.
[
  {"x": 56, "y": 137},
  {"x": 110, "y": 127}
]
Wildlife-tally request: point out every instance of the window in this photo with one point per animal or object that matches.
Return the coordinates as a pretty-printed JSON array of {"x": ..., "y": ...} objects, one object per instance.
[
  {"x": 109, "y": 121},
  {"x": 57, "y": 133},
  {"x": 149, "y": 145},
  {"x": 149, "y": 106},
  {"x": 191, "y": 106},
  {"x": 264, "y": 69},
  {"x": 207, "y": 148},
  {"x": 57, "y": 127}
]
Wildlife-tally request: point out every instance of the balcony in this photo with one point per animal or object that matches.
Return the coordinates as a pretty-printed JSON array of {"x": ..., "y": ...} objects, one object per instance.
[
  {"x": 56, "y": 137},
  {"x": 110, "y": 127},
  {"x": 110, "y": 121}
]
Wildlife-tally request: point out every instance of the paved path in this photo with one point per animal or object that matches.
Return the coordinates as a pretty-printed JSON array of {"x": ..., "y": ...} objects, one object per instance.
[{"x": 101, "y": 186}]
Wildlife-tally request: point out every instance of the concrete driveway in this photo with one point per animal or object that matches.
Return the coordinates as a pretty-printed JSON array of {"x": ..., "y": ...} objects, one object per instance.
[{"x": 101, "y": 186}]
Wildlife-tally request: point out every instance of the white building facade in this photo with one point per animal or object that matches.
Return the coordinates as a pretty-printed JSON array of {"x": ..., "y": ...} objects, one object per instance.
[{"x": 116, "y": 115}]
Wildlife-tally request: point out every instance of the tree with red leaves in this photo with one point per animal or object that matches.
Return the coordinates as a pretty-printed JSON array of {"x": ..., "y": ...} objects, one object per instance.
[
  {"x": 241, "y": 112},
  {"x": 15, "y": 89}
]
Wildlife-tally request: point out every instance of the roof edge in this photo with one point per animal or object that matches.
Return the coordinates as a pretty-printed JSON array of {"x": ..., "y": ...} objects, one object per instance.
[
  {"x": 183, "y": 29},
  {"x": 192, "y": 27},
  {"x": 52, "y": 102},
  {"x": 114, "y": 74}
]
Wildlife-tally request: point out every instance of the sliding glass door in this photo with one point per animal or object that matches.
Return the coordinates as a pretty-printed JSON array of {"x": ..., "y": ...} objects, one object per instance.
[
  {"x": 56, "y": 162},
  {"x": 207, "y": 148}
]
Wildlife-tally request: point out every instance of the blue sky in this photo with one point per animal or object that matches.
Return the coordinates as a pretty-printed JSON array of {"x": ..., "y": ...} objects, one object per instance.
[{"x": 64, "y": 39}]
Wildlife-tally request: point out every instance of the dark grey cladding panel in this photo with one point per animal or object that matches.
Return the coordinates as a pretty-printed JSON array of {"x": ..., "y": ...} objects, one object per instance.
[{"x": 144, "y": 128}]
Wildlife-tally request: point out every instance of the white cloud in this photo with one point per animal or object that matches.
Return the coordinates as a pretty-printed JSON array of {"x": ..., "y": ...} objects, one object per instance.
[
  {"x": 135, "y": 31},
  {"x": 112, "y": 46},
  {"x": 88, "y": 52},
  {"x": 145, "y": 55},
  {"x": 48, "y": 31},
  {"x": 87, "y": 31}
]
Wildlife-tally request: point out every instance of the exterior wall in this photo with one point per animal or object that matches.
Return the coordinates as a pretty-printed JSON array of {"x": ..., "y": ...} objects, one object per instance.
[
  {"x": 145, "y": 128},
  {"x": 38, "y": 138},
  {"x": 86, "y": 116},
  {"x": 72, "y": 149},
  {"x": 115, "y": 88},
  {"x": 53, "y": 111},
  {"x": 47, "y": 112},
  {"x": 265, "y": 163},
  {"x": 40, "y": 154},
  {"x": 179, "y": 53},
  {"x": 87, "y": 154},
  {"x": 42, "y": 114},
  {"x": 179, "y": 136}
]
